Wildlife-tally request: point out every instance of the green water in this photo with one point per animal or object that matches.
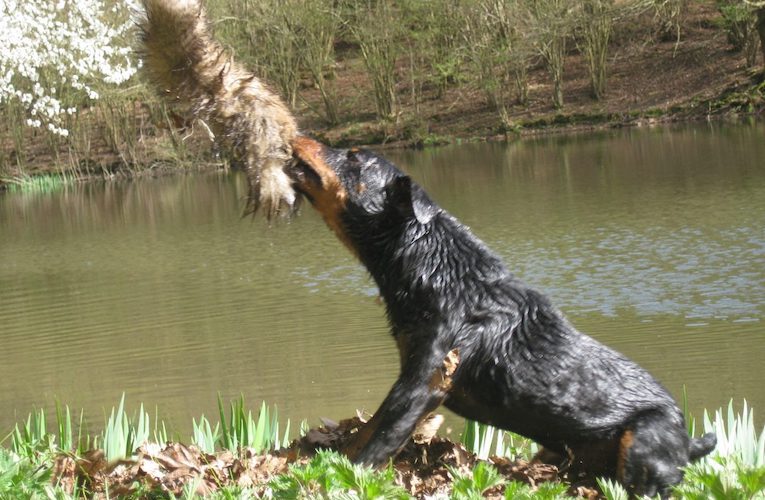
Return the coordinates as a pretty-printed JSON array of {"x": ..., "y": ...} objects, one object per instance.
[{"x": 653, "y": 241}]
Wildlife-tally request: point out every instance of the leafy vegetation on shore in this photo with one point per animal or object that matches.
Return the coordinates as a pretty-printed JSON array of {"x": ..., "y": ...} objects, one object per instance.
[
  {"x": 71, "y": 104},
  {"x": 131, "y": 458}
]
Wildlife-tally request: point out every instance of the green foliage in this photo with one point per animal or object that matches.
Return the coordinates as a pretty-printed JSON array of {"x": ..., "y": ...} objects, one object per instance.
[
  {"x": 488, "y": 45},
  {"x": 25, "y": 467},
  {"x": 545, "y": 491},
  {"x": 472, "y": 486},
  {"x": 22, "y": 477},
  {"x": 736, "y": 468},
  {"x": 32, "y": 437},
  {"x": 330, "y": 475},
  {"x": 412, "y": 51},
  {"x": 740, "y": 24},
  {"x": 225, "y": 493},
  {"x": 551, "y": 23},
  {"x": 64, "y": 424},
  {"x": 723, "y": 478},
  {"x": 612, "y": 490},
  {"x": 240, "y": 430}
]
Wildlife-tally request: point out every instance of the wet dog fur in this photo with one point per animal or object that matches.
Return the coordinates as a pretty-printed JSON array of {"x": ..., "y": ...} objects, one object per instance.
[{"x": 522, "y": 365}]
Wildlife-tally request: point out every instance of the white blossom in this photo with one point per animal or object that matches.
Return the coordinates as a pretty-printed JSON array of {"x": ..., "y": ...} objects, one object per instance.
[{"x": 74, "y": 43}]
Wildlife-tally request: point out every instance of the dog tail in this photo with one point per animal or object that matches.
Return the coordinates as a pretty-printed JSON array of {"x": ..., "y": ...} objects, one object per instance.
[
  {"x": 190, "y": 68},
  {"x": 700, "y": 447}
]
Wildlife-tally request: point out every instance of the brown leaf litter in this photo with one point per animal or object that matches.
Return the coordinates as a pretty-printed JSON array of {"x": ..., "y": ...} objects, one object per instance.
[{"x": 422, "y": 466}]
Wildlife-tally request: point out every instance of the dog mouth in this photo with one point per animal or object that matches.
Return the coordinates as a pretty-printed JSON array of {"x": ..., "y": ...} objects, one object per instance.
[
  {"x": 303, "y": 177},
  {"x": 314, "y": 175}
]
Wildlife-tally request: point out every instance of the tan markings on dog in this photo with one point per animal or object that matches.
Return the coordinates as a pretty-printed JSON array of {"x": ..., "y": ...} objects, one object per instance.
[
  {"x": 625, "y": 444},
  {"x": 330, "y": 198},
  {"x": 361, "y": 188}
]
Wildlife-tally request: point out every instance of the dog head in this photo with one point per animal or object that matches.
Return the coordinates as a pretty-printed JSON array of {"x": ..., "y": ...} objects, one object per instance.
[{"x": 358, "y": 193}]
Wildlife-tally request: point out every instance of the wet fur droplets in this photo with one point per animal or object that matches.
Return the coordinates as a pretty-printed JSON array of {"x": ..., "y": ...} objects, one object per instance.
[{"x": 195, "y": 74}]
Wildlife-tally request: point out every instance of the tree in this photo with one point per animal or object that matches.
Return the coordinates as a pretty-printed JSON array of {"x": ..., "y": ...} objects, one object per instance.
[
  {"x": 669, "y": 14},
  {"x": 594, "y": 27},
  {"x": 740, "y": 23},
  {"x": 761, "y": 29},
  {"x": 272, "y": 35},
  {"x": 318, "y": 24},
  {"x": 594, "y": 33},
  {"x": 377, "y": 28},
  {"x": 496, "y": 52},
  {"x": 551, "y": 23}
]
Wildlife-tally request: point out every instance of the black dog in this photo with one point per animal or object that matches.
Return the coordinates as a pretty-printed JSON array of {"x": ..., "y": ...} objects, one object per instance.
[{"x": 520, "y": 365}]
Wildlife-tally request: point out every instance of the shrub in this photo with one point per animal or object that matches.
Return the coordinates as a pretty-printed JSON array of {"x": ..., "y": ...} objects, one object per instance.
[{"x": 54, "y": 53}]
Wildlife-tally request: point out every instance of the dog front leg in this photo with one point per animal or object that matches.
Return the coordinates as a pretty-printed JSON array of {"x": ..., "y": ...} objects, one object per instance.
[{"x": 422, "y": 386}]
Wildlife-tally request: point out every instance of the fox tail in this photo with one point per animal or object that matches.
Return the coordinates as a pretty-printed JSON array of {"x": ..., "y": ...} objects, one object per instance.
[{"x": 194, "y": 73}]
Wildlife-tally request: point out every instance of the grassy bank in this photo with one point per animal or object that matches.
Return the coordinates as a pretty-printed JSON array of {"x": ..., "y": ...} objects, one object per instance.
[
  {"x": 444, "y": 79},
  {"x": 242, "y": 456}
]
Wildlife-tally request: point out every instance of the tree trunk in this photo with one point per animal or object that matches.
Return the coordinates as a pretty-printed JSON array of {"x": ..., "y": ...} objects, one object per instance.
[{"x": 761, "y": 31}]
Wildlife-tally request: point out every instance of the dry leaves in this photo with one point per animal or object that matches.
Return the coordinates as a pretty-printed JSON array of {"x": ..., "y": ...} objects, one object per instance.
[{"x": 422, "y": 467}]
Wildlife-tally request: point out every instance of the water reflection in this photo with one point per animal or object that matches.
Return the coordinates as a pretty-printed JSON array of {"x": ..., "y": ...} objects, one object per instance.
[{"x": 651, "y": 240}]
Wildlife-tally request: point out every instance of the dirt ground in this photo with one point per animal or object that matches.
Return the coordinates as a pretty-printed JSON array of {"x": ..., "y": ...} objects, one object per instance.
[
  {"x": 650, "y": 80},
  {"x": 426, "y": 467}
]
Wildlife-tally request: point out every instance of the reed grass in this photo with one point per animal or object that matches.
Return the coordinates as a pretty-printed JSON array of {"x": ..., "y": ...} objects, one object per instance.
[
  {"x": 485, "y": 441},
  {"x": 240, "y": 430},
  {"x": 123, "y": 434},
  {"x": 37, "y": 183}
]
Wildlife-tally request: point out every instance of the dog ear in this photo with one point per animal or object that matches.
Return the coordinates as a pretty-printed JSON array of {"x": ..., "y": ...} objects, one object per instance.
[{"x": 410, "y": 199}]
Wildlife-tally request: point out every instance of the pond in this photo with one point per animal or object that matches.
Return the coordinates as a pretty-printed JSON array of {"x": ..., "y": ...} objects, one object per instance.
[{"x": 651, "y": 240}]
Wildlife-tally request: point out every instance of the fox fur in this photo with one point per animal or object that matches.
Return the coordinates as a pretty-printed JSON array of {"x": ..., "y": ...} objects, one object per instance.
[{"x": 194, "y": 73}]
